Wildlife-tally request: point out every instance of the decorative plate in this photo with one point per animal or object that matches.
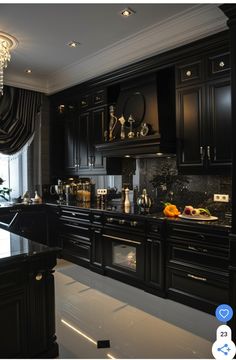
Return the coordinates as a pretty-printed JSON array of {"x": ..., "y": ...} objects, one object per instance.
[{"x": 204, "y": 218}]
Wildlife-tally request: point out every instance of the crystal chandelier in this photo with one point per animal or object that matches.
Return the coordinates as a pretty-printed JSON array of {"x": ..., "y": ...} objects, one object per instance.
[{"x": 7, "y": 43}]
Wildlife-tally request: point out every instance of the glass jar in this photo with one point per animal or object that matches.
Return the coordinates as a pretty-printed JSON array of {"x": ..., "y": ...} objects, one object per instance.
[
  {"x": 79, "y": 192},
  {"x": 86, "y": 192}
]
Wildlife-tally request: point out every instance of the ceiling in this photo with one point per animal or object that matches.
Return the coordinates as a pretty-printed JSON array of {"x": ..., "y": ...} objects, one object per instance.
[{"x": 107, "y": 40}]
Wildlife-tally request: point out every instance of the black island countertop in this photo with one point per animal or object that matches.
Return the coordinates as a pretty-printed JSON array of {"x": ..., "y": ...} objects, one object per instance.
[{"x": 18, "y": 248}]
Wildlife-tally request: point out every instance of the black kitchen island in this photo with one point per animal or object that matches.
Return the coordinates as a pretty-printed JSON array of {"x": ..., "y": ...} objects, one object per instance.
[{"x": 27, "y": 309}]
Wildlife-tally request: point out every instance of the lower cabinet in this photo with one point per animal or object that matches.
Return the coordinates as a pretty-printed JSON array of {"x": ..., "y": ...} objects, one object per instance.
[
  {"x": 197, "y": 266},
  {"x": 154, "y": 264},
  {"x": 27, "y": 309},
  {"x": 96, "y": 260}
]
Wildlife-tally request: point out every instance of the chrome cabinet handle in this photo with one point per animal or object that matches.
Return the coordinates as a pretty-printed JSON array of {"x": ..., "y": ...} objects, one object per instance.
[
  {"x": 121, "y": 221},
  {"x": 208, "y": 152},
  {"x": 188, "y": 73},
  {"x": 196, "y": 277},
  {"x": 202, "y": 153},
  {"x": 110, "y": 220},
  {"x": 133, "y": 223},
  {"x": 122, "y": 239}
]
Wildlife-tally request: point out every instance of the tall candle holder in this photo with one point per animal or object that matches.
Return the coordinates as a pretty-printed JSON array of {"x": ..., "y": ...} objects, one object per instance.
[
  {"x": 122, "y": 129},
  {"x": 131, "y": 133},
  {"x": 112, "y": 123}
]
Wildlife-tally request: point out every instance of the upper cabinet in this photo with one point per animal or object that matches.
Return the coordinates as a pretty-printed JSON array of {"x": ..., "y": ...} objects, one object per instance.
[{"x": 203, "y": 112}]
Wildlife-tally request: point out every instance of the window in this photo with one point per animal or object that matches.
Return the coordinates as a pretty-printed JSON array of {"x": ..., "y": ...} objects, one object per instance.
[{"x": 13, "y": 170}]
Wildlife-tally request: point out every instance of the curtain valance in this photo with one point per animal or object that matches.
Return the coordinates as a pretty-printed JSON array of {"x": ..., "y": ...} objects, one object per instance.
[{"x": 18, "y": 113}]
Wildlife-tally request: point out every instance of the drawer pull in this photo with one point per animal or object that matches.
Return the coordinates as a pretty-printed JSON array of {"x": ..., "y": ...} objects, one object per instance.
[
  {"x": 192, "y": 248},
  {"x": 122, "y": 239},
  {"x": 195, "y": 249},
  {"x": 133, "y": 223},
  {"x": 201, "y": 237},
  {"x": 221, "y": 64},
  {"x": 197, "y": 277},
  {"x": 189, "y": 73},
  {"x": 110, "y": 220},
  {"x": 39, "y": 276},
  {"x": 121, "y": 221}
]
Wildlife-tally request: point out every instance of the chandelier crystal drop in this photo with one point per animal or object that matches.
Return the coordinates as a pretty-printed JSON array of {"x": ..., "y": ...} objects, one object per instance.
[{"x": 7, "y": 43}]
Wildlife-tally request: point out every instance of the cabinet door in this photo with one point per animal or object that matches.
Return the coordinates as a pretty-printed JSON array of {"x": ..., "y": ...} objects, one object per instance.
[
  {"x": 190, "y": 105},
  {"x": 96, "y": 247},
  {"x": 154, "y": 264},
  {"x": 83, "y": 142},
  {"x": 70, "y": 141},
  {"x": 14, "y": 318},
  {"x": 219, "y": 143},
  {"x": 97, "y": 128}
]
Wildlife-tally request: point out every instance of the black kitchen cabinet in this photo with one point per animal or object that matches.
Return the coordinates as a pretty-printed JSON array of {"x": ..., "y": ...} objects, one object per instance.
[
  {"x": 70, "y": 137},
  {"x": 75, "y": 235},
  {"x": 203, "y": 104},
  {"x": 154, "y": 274},
  {"x": 27, "y": 301},
  {"x": 197, "y": 266},
  {"x": 96, "y": 260}
]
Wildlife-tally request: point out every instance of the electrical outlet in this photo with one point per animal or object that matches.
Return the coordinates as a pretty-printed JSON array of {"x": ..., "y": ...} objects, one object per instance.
[
  {"x": 101, "y": 191},
  {"x": 221, "y": 197}
]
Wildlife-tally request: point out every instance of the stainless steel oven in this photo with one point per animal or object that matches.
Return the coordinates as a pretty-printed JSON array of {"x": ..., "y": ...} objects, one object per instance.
[{"x": 123, "y": 241}]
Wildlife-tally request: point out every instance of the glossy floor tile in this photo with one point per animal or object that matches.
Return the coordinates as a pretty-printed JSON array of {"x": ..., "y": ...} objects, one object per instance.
[{"x": 92, "y": 307}]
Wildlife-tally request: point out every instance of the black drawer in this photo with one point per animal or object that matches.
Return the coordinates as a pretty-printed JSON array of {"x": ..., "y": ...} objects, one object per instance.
[
  {"x": 205, "y": 256},
  {"x": 189, "y": 73},
  {"x": 76, "y": 247},
  {"x": 219, "y": 64},
  {"x": 198, "y": 289},
  {"x": 96, "y": 218},
  {"x": 77, "y": 229},
  {"x": 154, "y": 228},
  {"x": 122, "y": 223},
  {"x": 85, "y": 101},
  {"x": 201, "y": 234},
  {"x": 75, "y": 213},
  {"x": 98, "y": 97}
]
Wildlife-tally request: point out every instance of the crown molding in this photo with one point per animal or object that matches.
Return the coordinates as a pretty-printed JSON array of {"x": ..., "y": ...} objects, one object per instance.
[{"x": 200, "y": 21}]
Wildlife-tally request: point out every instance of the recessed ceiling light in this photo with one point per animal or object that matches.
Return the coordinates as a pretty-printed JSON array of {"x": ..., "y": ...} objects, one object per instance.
[
  {"x": 127, "y": 12},
  {"x": 73, "y": 44},
  {"x": 28, "y": 71}
]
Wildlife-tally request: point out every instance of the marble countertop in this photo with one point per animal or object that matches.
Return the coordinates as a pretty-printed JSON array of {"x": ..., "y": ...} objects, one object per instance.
[{"x": 15, "y": 247}]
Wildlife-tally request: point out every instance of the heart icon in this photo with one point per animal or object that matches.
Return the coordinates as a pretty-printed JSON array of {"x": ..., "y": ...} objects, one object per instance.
[{"x": 224, "y": 313}]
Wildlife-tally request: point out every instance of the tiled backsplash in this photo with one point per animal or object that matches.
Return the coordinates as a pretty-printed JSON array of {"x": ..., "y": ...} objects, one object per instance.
[{"x": 160, "y": 177}]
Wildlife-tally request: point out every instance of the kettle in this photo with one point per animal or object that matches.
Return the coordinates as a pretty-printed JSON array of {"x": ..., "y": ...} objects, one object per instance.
[{"x": 144, "y": 201}]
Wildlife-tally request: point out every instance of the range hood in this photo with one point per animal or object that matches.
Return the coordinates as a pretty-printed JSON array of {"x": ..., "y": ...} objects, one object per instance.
[
  {"x": 142, "y": 147},
  {"x": 150, "y": 100}
]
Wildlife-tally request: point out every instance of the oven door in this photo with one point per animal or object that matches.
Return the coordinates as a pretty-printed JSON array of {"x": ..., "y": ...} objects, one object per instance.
[{"x": 124, "y": 254}]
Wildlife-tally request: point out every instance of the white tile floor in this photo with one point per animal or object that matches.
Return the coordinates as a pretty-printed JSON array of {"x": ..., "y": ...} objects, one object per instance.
[{"x": 91, "y": 307}]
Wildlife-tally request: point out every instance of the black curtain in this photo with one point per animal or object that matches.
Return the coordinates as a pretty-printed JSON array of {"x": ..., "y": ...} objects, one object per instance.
[{"x": 18, "y": 112}]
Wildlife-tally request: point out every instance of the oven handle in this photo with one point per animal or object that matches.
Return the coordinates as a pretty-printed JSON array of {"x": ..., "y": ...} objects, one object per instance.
[{"x": 122, "y": 239}]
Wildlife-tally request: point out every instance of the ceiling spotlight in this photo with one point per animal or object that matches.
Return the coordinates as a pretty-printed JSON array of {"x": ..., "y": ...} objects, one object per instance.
[
  {"x": 7, "y": 43},
  {"x": 28, "y": 71},
  {"x": 127, "y": 12},
  {"x": 73, "y": 44}
]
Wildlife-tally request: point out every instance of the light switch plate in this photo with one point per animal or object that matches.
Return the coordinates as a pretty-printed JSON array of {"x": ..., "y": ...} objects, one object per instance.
[
  {"x": 101, "y": 191},
  {"x": 221, "y": 198}
]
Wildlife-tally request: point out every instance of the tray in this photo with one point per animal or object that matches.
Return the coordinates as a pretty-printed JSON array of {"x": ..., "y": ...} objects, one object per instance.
[{"x": 201, "y": 218}]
